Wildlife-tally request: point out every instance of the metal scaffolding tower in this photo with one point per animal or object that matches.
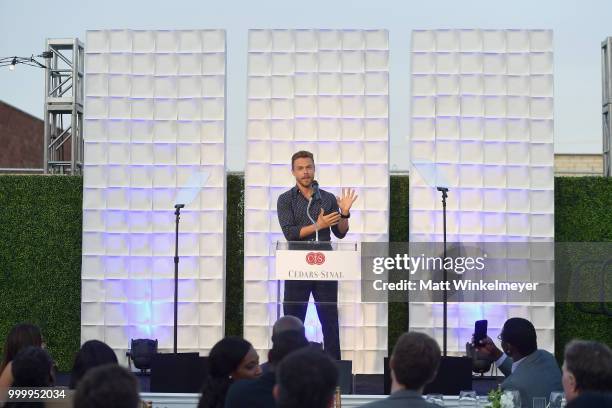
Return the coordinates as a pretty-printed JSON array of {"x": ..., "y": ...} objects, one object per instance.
[
  {"x": 606, "y": 76},
  {"x": 63, "y": 150}
]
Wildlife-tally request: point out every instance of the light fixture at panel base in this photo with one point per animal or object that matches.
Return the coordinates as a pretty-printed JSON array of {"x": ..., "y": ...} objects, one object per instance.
[{"x": 141, "y": 353}]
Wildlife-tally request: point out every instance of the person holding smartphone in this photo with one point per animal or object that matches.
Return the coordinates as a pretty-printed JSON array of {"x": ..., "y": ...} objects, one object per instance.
[{"x": 532, "y": 372}]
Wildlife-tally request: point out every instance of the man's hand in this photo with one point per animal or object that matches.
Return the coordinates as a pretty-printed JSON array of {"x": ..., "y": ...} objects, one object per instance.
[
  {"x": 487, "y": 348},
  {"x": 346, "y": 200},
  {"x": 325, "y": 221}
]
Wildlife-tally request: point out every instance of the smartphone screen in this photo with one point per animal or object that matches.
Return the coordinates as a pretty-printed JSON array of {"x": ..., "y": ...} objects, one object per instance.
[{"x": 480, "y": 330}]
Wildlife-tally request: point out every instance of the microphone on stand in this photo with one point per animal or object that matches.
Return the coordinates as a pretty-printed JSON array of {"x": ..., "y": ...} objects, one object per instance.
[
  {"x": 444, "y": 191},
  {"x": 316, "y": 195},
  {"x": 177, "y": 212}
]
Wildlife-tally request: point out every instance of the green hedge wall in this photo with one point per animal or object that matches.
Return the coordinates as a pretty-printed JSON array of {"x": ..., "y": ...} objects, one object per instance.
[
  {"x": 40, "y": 259},
  {"x": 234, "y": 260},
  {"x": 40, "y": 255},
  {"x": 582, "y": 214},
  {"x": 397, "y": 314}
]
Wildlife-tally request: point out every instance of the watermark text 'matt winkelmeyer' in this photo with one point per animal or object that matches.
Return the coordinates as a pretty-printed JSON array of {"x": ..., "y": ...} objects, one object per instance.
[{"x": 463, "y": 285}]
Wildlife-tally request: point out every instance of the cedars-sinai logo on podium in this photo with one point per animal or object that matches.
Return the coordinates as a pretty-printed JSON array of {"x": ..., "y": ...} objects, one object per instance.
[{"x": 315, "y": 258}]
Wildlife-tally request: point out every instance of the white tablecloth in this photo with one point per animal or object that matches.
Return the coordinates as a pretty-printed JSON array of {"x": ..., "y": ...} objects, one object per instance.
[{"x": 191, "y": 400}]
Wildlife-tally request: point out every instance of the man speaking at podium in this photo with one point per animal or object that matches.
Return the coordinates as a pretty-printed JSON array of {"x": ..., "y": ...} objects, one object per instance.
[{"x": 301, "y": 222}]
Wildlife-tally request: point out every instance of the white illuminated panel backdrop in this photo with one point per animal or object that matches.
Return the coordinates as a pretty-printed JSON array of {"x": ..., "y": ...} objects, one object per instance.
[
  {"x": 154, "y": 118},
  {"x": 482, "y": 116},
  {"x": 325, "y": 91}
]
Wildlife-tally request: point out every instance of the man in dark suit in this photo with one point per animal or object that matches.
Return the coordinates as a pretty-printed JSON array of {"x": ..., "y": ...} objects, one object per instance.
[
  {"x": 590, "y": 400},
  {"x": 414, "y": 364},
  {"x": 587, "y": 367},
  {"x": 258, "y": 393},
  {"x": 532, "y": 372}
]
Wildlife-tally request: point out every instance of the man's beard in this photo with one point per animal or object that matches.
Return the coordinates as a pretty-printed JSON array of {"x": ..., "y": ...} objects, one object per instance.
[{"x": 306, "y": 183}]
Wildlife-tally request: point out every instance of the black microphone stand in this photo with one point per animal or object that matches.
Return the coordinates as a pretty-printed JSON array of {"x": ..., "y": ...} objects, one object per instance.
[
  {"x": 444, "y": 191},
  {"x": 176, "y": 263},
  {"x": 316, "y": 195}
]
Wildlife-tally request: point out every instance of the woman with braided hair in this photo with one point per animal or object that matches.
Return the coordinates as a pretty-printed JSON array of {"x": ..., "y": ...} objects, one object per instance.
[{"x": 231, "y": 359}]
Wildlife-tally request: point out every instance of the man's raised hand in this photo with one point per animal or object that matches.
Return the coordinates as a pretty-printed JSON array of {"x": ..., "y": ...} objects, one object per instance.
[{"x": 346, "y": 200}]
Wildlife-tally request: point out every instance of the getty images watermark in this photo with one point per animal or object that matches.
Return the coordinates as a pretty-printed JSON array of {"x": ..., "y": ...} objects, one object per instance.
[
  {"x": 458, "y": 265},
  {"x": 485, "y": 271}
]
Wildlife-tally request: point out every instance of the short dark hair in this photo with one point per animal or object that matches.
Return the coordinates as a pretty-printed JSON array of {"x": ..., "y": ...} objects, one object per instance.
[
  {"x": 302, "y": 154},
  {"x": 109, "y": 385},
  {"x": 32, "y": 367},
  {"x": 284, "y": 343},
  {"x": 288, "y": 322},
  {"x": 521, "y": 334},
  {"x": 306, "y": 378},
  {"x": 591, "y": 364},
  {"x": 93, "y": 353},
  {"x": 416, "y": 358}
]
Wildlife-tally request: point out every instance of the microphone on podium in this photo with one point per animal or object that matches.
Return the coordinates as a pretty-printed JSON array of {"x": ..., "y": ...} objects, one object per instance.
[{"x": 316, "y": 193}]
